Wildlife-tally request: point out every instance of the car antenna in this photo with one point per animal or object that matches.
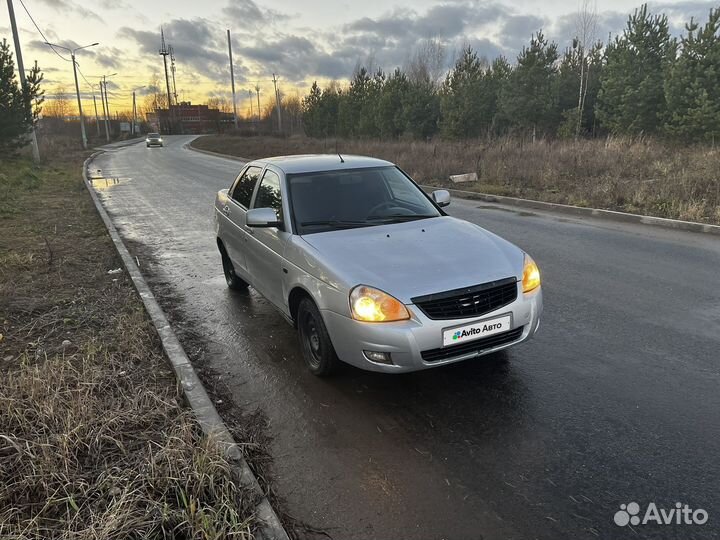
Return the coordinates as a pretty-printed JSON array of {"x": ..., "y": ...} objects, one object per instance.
[{"x": 338, "y": 152}]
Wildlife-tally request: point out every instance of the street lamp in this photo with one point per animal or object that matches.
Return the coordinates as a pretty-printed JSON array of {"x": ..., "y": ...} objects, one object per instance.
[
  {"x": 77, "y": 87},
  {"x": 134, "y": 122}
]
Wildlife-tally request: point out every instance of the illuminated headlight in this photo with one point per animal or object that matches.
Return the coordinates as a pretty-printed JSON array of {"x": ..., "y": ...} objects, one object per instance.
[
  {"x": 372, "y": 305},
  {"x": 531, "y": 275}
]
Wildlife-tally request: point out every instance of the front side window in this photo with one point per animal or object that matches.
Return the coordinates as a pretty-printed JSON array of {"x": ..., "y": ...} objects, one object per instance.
[
  {"x": 244, "y": 186},
  {"x": 268, "y": 195},
  {"x": 331, "y": 200}
]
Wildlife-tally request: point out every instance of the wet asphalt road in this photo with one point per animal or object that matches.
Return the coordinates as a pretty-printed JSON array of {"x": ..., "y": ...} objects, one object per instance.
[{"x": 616, "y": 399}]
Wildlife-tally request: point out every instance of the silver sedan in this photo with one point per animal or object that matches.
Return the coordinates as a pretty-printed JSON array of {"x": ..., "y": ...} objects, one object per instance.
[{"x": 370, "y": 269}]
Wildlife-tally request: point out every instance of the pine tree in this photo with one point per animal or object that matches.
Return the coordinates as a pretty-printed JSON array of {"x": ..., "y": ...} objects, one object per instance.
[
  {"x": 529, "y": 99},
  {"x": 15, "y": 116},
  {"x": 421, "y": 109},
  {"x": 631, "y": 97},
  {"x": 389, "y": 111},
  {"x": 460, "y": 97},
  {"x": 311, "y": 111},
  {"x": 692, "y": 89}
]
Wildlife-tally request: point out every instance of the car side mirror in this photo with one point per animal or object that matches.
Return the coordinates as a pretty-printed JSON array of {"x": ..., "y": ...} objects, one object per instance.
[
  {"x": 441, "y": 197},
  {"x": 262, "y": 217}
]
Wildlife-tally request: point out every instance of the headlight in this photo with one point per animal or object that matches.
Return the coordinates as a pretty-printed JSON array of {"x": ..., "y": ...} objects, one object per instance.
[
  {"x": 371, "y": 305},
  {"x": 531, "y": 274}
]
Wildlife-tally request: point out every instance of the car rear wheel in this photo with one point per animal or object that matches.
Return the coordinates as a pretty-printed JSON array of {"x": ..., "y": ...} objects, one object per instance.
[
  {"x": 231, "y": 278},
  {"x": 317, "y": 348}
]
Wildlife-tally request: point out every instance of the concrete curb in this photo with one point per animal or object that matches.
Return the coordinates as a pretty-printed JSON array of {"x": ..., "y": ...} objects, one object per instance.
[
  {"x": 189, "y": 146},
  {"x": 270, "y": 527},
  {"x": 118, "y": 144},
  {"x": 582, "y": 211}
]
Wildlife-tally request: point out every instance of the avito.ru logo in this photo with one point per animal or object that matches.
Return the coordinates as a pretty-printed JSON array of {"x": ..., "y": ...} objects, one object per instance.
[{"x": 629, "y": 514}]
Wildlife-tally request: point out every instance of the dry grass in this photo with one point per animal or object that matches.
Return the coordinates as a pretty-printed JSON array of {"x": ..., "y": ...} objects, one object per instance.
[
  {"x": 95, "y": 441},
  {"x": 631, "y": 175}
]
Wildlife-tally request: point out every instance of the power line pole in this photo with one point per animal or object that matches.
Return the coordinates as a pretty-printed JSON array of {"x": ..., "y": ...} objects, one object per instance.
[
  {"x": 97, "y": 120},
  {"x": 134, "y": 114},
  {"x": 164, "y": 53},
  {"x": 277, "y": 102},
  {"x": 77, "y": 91},
  {"x": 107, "y": 109},
  {"x": 232, "y": 79},
  {"x": 23, "y": 82},
  {"x": 102, "y": 100},
  {"x": 257, "y": 89},
  {"x": 252, "y": 113}
]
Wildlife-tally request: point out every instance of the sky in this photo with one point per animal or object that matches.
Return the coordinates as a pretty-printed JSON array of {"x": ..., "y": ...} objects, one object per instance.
[{"x": 298, "y": 41}]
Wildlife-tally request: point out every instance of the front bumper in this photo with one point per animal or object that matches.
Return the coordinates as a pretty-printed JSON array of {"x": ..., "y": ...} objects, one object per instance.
[{"x": 406, "y": 340}]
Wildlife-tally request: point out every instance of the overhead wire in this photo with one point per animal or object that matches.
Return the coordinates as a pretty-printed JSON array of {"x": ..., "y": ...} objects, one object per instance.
[{"x": 47, "y": 41}]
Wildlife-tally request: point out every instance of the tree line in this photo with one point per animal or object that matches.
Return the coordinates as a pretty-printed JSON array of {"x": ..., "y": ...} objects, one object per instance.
[{"x": 644, "y": 81}]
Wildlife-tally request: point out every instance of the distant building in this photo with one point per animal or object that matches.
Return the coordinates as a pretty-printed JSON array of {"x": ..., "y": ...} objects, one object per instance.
[{"x": 188, "y": 118}]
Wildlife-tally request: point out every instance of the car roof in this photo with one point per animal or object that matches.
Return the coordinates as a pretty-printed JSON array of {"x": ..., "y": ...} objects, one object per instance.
[{"x": 308, "y": 163}]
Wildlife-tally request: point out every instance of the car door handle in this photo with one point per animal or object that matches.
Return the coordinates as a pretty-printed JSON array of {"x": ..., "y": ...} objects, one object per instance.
[
  {"x": 249, "y": 230},
  {"x": 226, "y": 210}
]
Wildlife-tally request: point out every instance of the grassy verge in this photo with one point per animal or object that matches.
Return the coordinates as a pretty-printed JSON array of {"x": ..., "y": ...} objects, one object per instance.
[
  {"x": 95, "y": 441},
  {"x": 638, "y": 176}
]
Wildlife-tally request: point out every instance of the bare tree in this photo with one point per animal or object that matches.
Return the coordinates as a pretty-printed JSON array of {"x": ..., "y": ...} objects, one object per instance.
[
  {"x": 58, "y": 104},
  {"x": 155, "y": 98},
  {"x": 586, "y": 36},
  {"x": 427, "y": 62}
]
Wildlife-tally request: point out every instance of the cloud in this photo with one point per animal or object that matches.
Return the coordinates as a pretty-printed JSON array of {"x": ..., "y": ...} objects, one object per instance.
[
  {"x": 64, "y": 6},
  {"x": 199, "y": 47},
  {"x": 517, "y": 29},
  {"x": 247, "y": 12}
]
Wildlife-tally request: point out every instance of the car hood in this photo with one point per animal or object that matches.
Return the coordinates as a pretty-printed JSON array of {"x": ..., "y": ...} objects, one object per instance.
[{"x": 416, "y": 258}]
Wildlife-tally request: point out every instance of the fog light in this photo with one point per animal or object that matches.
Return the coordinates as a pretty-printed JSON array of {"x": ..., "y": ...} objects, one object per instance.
[{"x": 379, "y": 357}]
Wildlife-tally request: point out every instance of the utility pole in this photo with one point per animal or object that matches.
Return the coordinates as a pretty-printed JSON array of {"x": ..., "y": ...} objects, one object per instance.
[
  {"x": 97, "y": 120},
  {"x": 252, "y": 113},
  {"x": 257, "y": 89},
  {"x": 232, "y": 79},
  {"x": 277, "y": 102},
  {"x": 77, "y": 86},
  {"x": 164, "y": 53},
  {"x": 23, "y": 82},
  {"x": 77, "y": 91},
  {"x": 134, "y": 115},
  {"x": 107, "y": 109},
  {"x": 102, "y": 100}
]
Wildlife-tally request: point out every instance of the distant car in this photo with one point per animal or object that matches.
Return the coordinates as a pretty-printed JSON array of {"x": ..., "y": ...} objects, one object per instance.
[
  {"x": 153, "y": 139},
  {"x": 370, "y": 269}
]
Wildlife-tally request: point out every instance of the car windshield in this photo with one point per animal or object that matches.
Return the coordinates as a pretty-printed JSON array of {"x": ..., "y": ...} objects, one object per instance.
[
  {"x": 153, "y": 135},
  {"x": 331, "y": 200}
]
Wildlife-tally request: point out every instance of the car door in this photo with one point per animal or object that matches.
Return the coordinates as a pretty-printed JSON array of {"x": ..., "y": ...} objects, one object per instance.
[
  {"x": 236, "y": 236},
  {"x": 267, "y": 244}
]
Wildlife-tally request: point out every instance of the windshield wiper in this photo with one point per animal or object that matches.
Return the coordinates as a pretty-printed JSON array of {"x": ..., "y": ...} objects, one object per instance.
[
  {"x": 339, "y": 223},
  {"x": 401, "y": 217}
]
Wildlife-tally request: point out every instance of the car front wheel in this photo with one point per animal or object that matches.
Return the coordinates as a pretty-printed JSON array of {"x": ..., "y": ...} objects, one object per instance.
[{"x": 317, "y": 348}]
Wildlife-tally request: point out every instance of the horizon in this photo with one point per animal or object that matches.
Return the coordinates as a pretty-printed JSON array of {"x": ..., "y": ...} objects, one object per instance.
[{"x": 289, "y": 43}]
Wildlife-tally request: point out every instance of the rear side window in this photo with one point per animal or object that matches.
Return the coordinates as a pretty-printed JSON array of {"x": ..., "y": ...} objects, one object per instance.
[
  {"x": 244, "y": 186},
  {"x": 268, "y": 195}
]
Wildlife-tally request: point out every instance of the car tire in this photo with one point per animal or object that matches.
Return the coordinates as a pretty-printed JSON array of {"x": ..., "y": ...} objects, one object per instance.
[
  {"x": 147, "y": 145},
  {"x": 233, "y": 281},
  {"x": 317, "y": 349}
]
